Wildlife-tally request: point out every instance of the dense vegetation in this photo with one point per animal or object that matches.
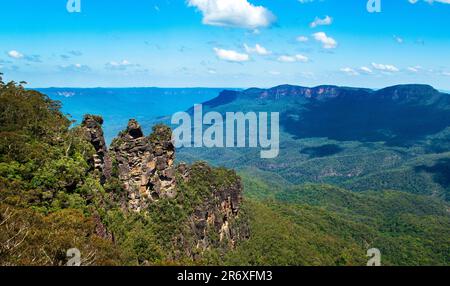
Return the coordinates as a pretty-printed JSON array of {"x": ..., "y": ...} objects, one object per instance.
[
  {"x": 338, "y": 226},
  {"x": 397, "y": 138},
  {"x": 51, "y": 200}
]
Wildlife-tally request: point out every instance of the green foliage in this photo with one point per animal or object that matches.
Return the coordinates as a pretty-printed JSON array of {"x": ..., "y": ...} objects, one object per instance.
[
  {"x": 303, "y": 239},
  {"x": 387, "y": 151},
  {"x": 47, "y": 195},
  {"x": 51, "y": 200},
  {"x": 135, "y": 235},
  {"x": 57, "y": 199},
  {"x": 161, "y": 133},
  {"x": 336, "y": 223},
  {"x": 28, "y": 237}
]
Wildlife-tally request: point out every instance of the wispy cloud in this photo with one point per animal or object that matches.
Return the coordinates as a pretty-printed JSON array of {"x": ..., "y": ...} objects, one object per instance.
[
  {"x": 121, "y": 65},
  {"x": 349, "y": 71},
  {"x": 385, "y": 68},
  {"x": 430, "y": 1},
  {"x": 257, "y": 49},
  {"x": 74, "y": 68},
  {"x": 33, "y": 58},
  {"x": 302, "y": 39},
  {"x": 321, "y": 22},
  {"x": 414, "y": 69},
  {"x": 366, "y": 70},
  {"x": 75, "y": 53},
  {"x": 293, "y": 59},
  {"x": 14, "y": 54},
  {"x": 398, "y": 39}
]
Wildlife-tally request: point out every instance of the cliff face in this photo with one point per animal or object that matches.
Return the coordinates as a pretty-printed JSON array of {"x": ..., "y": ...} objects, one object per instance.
[
  {"x": 217, "y": 219},
  {"x": 92, "y": 127},
  {"x": 292, "y": 91},
  {"x": 145, "y": 167},
  {"x": 401, "y": 93}
]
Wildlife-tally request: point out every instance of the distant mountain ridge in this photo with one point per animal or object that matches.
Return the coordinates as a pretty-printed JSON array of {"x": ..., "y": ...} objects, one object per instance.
[
  {"x": 397, "y": 114},
  {"x": 401, "y": 92},
  {"x": 394, "y": 138}
]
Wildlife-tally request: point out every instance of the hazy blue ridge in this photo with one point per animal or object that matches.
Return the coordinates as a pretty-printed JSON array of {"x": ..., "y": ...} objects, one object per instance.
[{"x": 118, "y": 105}]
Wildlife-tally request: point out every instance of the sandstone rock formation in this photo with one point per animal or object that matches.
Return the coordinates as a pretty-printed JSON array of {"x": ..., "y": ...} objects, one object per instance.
[
  {"x": 219, "y": 210},
  {"x": 145, "y": 164},
  {"x": 145, "y": 168},
  {"x": 92, "y": 128}
]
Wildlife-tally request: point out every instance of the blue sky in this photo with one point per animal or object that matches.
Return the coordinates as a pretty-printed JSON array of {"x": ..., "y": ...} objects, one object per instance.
[{"x": 225, "y": 43}]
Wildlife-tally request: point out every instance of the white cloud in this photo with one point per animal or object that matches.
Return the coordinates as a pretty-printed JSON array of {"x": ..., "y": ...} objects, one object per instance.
[
  {"x": 414, "y": 69},
  {"x": 431, "y": 1},
  {"x": 231, "y": 56},
  {"x": 302, "y": 39},
  {"x": 122, "y": 65},
  {"x": 75, "y": 68},
  {"x": 349, "y": 71},
  {"x": 15, "y": 54},
  {"x": 293, "y": 59},
  {"x": 398, "y": 39},
  {"x": 327, "y": 42},
  {"x": 18, "y": 56},
  {"x": 321, "y": 22},
  {"x": 386, "y": 68},
  {"x": 233, "y": 13},
  {"x": 258, "y": 49},
  {"x": 366, "y": 70}
]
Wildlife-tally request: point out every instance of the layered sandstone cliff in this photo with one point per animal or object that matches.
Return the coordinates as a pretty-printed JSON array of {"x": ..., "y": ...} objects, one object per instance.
[
  {"x": 145, "y": 164},
  {"x": 145, "y": 167}
]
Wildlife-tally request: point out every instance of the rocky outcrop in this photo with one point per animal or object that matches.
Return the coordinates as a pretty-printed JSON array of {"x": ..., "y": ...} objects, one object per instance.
[
  {"x": 93, "y": 132},
  {"x": 145, "y": 165},
  {"x": 217, "y": 221}
]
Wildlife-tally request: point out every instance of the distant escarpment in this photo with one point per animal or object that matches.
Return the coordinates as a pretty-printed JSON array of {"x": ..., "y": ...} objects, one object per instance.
[
  {"x": 206, "y": 200},
  {"x": 398, "y": 115},
  {"x": 398, "y": 92}
]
